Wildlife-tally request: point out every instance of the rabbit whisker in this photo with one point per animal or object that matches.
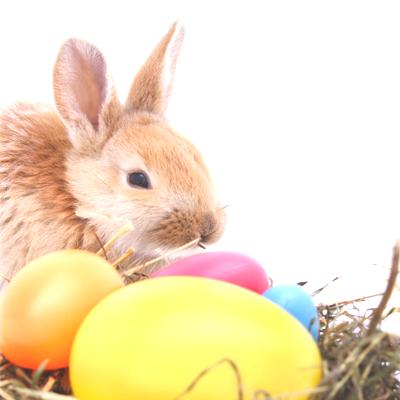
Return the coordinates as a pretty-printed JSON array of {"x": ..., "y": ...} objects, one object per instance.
[{"x": 103, "y": 181}]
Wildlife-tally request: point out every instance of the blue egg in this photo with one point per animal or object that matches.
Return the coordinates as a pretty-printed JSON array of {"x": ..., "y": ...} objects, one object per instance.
[{"x": 296, "y": 301}]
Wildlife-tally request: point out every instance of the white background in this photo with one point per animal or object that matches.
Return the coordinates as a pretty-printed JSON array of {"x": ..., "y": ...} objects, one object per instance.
[{"x": 294, "y": 104}]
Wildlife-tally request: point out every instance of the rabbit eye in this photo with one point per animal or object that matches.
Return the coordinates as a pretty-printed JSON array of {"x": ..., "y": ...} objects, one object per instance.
[{"x": 139, "y": 179}]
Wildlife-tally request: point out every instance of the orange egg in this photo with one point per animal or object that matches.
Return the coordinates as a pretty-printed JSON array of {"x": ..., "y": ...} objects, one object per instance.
[{"x": 46, "y": 302}]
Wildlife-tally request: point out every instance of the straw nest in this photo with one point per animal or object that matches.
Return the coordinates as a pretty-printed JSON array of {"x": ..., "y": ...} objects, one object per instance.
[{"x": 360, "y": 360}]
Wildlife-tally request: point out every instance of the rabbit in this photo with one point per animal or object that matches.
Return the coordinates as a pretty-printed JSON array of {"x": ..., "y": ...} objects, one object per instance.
[{"x": 71, "y": 178}]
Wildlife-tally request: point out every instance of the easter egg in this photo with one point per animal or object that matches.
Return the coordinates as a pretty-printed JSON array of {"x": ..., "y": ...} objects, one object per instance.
[
  {"x": 231, "y": 267},
  {"x": 295, "y": 300},
  {"x": 46, "y": 302},
  {"x": 192, "y": 338}
]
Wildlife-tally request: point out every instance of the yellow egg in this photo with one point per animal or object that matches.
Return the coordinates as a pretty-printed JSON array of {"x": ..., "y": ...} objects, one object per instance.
[
  {"x": 155, "y": 338},
  {"x": 46, "y": 302}
]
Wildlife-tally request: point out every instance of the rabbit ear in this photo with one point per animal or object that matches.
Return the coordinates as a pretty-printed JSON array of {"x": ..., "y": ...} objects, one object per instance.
[
  {"x": 152, "y": 86},
  {"x": 84, "y": 95}
]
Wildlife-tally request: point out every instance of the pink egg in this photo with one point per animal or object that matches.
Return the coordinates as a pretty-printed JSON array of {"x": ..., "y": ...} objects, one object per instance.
[{"x": 235, "y": 268}]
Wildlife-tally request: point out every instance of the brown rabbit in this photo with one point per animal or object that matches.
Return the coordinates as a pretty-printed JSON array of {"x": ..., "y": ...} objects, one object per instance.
[{"x": 71, "y": 179}]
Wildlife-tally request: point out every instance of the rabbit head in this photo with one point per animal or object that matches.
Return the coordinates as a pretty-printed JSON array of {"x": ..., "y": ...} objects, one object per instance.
[{"x": 125, "y": 162}]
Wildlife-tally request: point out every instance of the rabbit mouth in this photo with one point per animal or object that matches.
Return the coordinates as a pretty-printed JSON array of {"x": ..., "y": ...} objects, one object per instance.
[{"x": 179, "y": 228}]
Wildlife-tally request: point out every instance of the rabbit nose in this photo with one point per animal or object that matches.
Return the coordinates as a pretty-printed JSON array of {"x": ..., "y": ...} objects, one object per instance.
[{"x": 207, "y": 227}]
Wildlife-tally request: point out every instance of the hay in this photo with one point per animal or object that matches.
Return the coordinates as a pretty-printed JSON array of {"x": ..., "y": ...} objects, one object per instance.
[
  {"x": 21, "y": 384},
  {"x": 361, "y": 362}
]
